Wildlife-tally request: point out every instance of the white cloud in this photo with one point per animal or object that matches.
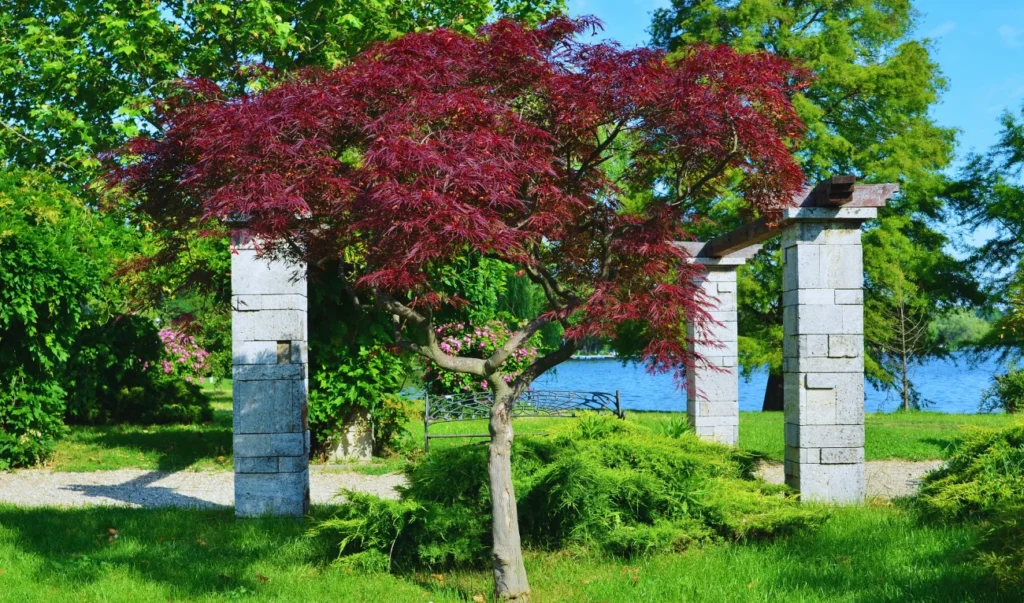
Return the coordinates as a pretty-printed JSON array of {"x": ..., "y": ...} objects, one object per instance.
[
  {"x": 1013, "y": 37},
  {"x": 941, "y": 30}
]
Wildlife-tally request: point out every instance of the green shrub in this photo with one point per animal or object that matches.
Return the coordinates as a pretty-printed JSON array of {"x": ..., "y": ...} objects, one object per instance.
[
  {"x": 107, "y": 358},
  {"x": 1006, "y": 392},
  {"x": 984, "y": 480},
  {"x": 116, "y": 375},
  {"x": 47, "y": 276},
  {"x": 984, "y": 475},
  {"x": 596, "y": 482},
  {"x": 162, "y": 400},
  {"x": 343, "y": 384}
]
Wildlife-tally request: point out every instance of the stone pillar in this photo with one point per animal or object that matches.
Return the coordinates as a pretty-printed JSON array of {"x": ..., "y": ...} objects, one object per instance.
[
  {"x": 823, "y": 352},
  {"x": 271, "y": 431},
  {"x": 712, "y": 388}
]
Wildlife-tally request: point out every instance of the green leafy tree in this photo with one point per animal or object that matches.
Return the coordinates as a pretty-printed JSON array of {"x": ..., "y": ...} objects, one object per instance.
[
  {"x": 80, "y": 77},
  {"x": 48, "y": 274},
  {"x": 866, "y": 113},
  {"x": 989, "y": 194}
]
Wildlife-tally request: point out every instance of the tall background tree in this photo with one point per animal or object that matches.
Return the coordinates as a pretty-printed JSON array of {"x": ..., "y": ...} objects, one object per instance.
[
  {"x": 440, "y": 147},
  {"x": 988, "y": 196},
  {"x": 866, "y": 113},
  {"x": 80, "y": 77}
]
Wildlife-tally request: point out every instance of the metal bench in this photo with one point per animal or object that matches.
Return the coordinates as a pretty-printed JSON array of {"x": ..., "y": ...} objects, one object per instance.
[{"x": 535, "y": 403}]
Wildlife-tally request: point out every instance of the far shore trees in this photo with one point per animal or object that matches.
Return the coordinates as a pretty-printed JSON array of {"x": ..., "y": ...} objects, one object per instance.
[{"x": 577, "y": 164}]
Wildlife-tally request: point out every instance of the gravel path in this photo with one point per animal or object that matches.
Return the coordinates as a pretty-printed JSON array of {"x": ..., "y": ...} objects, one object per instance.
[
  {"x": 885, "y": 479},
  {"x": 206, "y": 489},
  {"x": 142, "y": 488}
]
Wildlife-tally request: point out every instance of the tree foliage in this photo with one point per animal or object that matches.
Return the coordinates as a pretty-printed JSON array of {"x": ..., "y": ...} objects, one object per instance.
[
  {"x": 866, "y": 112},
  {"x": 80, "y": 77},
  {"x": 47, "y": 276},
  {"x": 989, "y": 195},
  {"x": 441, "y": 145}
]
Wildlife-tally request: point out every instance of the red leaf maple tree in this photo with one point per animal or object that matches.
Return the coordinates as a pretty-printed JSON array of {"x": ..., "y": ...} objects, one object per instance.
[{"x": 516, "y": 144}]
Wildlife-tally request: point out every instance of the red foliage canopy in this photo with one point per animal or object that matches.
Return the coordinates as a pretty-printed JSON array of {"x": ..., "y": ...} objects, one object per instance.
[{"x": 516, "y": 144}]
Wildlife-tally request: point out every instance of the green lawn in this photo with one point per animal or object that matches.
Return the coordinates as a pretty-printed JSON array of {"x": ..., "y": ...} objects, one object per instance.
[
  {"x": 862, "y": 554},
  {"x": 165, "y": 447},
  {"x": 911, "y": 436}
]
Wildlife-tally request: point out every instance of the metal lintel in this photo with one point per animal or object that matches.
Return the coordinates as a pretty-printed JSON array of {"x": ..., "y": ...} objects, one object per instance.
[{"x": 834, "y": 193}]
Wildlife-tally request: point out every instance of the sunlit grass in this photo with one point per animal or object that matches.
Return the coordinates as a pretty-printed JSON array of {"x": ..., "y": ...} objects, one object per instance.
[{"x": 862, "y": 554}]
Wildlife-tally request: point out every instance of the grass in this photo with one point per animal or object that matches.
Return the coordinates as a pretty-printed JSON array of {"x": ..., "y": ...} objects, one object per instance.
[
  {"x": 910, "y": 436},
  {"x": 915, "y": 436},
  {"x": 164, "y": 447},
  {"x": 862, "y": 554}
]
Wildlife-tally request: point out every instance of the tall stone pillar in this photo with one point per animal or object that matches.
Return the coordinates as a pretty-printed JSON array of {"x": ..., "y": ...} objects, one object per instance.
[
  {"x": 823, "y": 351},
  {"x": 712, "y": 387},
  {"x": 271, "y": 431}
]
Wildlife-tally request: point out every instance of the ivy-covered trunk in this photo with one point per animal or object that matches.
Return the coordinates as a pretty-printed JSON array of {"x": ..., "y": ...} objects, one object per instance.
[{"x": 510, "y": 583}]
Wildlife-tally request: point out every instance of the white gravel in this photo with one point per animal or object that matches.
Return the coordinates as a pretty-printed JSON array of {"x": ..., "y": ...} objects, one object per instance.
[
  {"x": 207, "y": 489},
  {"x": 142, "y": 488},
  {"x": 885, "y": 479}
]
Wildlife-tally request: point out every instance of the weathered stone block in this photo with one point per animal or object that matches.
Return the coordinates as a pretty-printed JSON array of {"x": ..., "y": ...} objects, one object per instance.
[
  {"x": 356, "y": 440},
  {"x": 853, "y": 320},
  {"x": 268, "y": 372},
  {"x": 262, "y": 464},
  {"x": 288, "y": 444},
  {"x": 254, "y": 352},
  {"x": 803, "y": 455},
  {"x": 269, "y": 406},
  {"x": 269, "y": 325},
  {"x": 252, "y": 445},
  {"x": 825, "y": 436},
  {"x": 823, "y": 365},
  {"x": 842, "y": 266},
  {"x": 842, "y": 484},
  {"x": 293, "y": 464},
  {"x": 849, "y": 297},
  {"x": 273, "y": 494},
  {"x": 838, "y": 456},
  {"x": 284, "y": 302},
  {"x": 251, "y": 274},
  {"x": 845, "y": 346},
  {"x": 815, "y": 297}
]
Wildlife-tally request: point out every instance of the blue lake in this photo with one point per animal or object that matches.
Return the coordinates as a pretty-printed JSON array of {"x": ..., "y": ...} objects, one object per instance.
[{"x": 952, "y": 386}]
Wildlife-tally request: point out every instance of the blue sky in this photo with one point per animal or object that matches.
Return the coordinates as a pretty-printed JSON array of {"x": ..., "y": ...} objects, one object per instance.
[{"x": 978, "y": 44}]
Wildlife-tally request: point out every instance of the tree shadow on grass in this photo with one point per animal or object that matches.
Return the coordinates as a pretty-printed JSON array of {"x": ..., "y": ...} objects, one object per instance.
[
  {"x": 190, "y": 552},
  {"x": 946, "y": 445},
  {"x": 141, "y": 491},
  {"x": 176, "y": 447}
]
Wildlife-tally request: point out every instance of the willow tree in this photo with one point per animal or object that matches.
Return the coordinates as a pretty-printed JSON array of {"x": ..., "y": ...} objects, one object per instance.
[{"x": 441, "y": 145}]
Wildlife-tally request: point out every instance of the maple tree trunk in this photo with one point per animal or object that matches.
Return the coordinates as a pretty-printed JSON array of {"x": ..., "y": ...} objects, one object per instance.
[
  {"x": 773, "y": 394},
  {"x": 510, "y": 583}
]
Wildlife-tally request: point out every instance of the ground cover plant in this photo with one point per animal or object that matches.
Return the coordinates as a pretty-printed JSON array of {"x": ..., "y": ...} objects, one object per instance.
[
  {"x": 984, "y": 481},
  {"x": 595, "y": 481}
]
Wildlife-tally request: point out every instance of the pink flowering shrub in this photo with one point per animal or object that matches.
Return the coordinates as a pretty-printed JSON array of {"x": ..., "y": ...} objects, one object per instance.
[
  {"x": 475, "y": 341},
  {"x": 182, "y": 357}
]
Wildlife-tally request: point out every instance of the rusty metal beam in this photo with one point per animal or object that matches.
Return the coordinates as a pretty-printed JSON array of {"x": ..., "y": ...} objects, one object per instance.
[{"x": 836, "y": 192}]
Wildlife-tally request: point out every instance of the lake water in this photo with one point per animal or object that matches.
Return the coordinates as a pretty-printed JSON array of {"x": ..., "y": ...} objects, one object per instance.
[{"x": 952, "y": 386}]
